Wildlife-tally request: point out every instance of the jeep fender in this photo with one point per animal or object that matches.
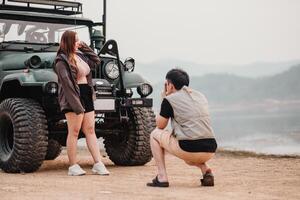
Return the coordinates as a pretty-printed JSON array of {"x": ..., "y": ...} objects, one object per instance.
[
  {"x": 132, "y": 80},
  {"x": 32, "y": 78}
]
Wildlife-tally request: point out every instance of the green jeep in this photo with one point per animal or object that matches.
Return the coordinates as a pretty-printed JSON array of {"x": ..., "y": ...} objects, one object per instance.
[{"x": 32, "y": 127}]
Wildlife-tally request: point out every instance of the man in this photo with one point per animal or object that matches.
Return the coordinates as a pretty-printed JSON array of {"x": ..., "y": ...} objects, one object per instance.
[{"x": 192, "y": 138}]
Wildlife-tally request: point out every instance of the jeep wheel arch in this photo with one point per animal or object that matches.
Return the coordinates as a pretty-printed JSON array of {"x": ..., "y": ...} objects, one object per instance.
[{"x": 132, "y": 80}]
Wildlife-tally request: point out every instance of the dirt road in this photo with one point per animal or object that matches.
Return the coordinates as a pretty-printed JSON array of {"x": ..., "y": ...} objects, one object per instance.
[{"x": 237, "y": 177}]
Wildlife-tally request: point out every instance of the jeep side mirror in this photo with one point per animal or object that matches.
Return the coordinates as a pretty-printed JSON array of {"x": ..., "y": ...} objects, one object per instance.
[{"x": 98, "y": 39}]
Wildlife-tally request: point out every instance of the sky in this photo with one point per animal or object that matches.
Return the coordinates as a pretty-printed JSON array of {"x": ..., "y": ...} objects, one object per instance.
[{"x": 202, "y": 31}]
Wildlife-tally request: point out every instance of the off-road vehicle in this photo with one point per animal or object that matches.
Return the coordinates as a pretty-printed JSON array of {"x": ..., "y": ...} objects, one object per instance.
[{"x": 32, "y": 127}]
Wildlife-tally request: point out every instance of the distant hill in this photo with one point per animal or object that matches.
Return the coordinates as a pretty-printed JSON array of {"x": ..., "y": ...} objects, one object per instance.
[
  {"x": 156, "y": 71},
  {"x": 227, "y": 88}
]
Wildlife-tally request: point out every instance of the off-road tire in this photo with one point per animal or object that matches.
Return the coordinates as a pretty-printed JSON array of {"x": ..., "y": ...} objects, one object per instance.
[
  {"x": 135, "y": 148},
  {"x": 23, "y": 135},
  {"x": 53, "y": 149}
]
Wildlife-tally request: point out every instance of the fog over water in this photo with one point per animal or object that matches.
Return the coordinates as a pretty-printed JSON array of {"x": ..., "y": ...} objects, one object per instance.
[{"x": 272, "y": 132}]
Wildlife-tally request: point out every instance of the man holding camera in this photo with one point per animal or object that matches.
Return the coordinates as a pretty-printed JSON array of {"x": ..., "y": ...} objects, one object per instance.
[{"x": 192, "y": 138}]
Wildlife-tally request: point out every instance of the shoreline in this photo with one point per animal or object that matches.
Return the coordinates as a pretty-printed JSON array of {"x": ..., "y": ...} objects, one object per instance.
[{"x": 244, "y": 153}]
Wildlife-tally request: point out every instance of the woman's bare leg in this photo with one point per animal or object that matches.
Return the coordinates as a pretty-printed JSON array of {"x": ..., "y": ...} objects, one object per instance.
[
  {"x": 88, "y": 128},
  {"x": 74, "y": 124}
]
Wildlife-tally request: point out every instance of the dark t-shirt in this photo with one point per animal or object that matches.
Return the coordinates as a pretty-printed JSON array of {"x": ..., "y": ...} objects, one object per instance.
[
  {"x": 201, "y": 145},
  {"x": 166, "y": 109}
]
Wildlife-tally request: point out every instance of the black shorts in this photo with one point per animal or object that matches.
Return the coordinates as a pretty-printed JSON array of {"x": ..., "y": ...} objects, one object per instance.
[
  {"x": 86, "y": 98},
  {"x": 201, "y": 145}
]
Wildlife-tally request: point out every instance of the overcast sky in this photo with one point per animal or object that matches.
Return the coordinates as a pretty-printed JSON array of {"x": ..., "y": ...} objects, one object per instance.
[{"x": 203, "y": 31}]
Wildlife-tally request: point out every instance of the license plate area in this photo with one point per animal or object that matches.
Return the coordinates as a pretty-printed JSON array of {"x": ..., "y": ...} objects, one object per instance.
[
  {"x": 105, "y": 105},
  {"x": 138, "y": 102}
]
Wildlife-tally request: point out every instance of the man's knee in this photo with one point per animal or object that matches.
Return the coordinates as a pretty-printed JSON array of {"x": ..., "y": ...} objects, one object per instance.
[{"x": 156, "y": 133}]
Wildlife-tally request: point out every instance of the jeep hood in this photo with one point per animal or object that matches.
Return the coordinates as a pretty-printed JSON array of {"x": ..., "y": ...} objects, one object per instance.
[{"x": 11, "y": 60}]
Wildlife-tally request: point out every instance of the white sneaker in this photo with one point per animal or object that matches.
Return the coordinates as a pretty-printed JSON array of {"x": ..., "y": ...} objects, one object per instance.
[
  {"x": 75, "y": 170},
  {"x": 99, "y": 168}
]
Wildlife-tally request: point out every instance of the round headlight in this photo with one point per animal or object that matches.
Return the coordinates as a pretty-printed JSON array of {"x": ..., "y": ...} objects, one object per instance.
[
  {"x": 112, "y": 70},
  {"x": 129, "y": 64},
  {"x": 51, "y": 87},
  {"x": 144, "y": 89}
]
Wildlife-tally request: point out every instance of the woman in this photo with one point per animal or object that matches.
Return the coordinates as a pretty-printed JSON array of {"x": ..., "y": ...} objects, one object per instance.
[{"x": 76, "y": 95}]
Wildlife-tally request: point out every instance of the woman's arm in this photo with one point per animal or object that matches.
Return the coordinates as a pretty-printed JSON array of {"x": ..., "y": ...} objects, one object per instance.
[
  {"x": 68, "y": 87},
  {"x": 93, "y": 58}
]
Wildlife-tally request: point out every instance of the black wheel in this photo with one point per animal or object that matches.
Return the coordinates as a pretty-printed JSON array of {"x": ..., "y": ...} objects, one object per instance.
[
  {"x": 23, "y": 135},
  {"x": 132, "y": 145},
  {"x": 53, "y": 149}
]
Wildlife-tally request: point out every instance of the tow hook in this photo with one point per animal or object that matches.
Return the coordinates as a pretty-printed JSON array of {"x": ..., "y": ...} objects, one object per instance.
[{"x": 123, "y": 113}]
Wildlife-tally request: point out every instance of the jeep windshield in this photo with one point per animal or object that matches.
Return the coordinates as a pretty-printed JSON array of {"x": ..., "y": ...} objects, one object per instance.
[{"x": 37, "y": 33}]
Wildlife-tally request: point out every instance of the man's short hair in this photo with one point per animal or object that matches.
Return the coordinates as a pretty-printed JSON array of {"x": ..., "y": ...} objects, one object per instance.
[{"x": 178, "y": 78}]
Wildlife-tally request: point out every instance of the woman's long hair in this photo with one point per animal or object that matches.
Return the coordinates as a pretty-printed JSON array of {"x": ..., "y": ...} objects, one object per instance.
[{"x": 67, "y": 46}]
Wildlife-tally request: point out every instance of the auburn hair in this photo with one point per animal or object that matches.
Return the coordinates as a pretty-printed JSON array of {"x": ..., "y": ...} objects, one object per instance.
[{"x": 67, "y": 46}]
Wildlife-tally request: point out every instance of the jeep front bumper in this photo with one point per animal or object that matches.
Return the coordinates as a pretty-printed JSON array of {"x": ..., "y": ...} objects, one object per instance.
[{"x": 111, "y": 105}]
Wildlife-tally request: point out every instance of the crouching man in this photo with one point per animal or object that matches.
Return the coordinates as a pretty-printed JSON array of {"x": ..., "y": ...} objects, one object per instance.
[{"x": 192, "y": 138}]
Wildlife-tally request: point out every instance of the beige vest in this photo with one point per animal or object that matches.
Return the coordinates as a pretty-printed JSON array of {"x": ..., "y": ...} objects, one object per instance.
[{"x": 191, "y": 117}]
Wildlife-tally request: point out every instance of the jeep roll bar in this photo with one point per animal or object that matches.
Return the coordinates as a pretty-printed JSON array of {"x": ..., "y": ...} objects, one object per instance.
[
  {"x": 104, "y": 19},
  {"x": 111, "y": 47},
  {"x": 53, "y": 7}
]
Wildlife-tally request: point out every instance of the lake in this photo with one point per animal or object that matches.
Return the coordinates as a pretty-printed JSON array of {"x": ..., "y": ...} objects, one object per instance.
[{"x": 261, "y": 128}]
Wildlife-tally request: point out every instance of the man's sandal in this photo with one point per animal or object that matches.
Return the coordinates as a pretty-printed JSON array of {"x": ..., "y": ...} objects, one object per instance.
[
  {"x": 208, "y": 179},
  {"x": 156, "y": 183}
]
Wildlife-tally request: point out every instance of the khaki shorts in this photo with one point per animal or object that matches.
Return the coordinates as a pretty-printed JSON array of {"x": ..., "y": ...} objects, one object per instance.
[{"x": 168, "y": 142}]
